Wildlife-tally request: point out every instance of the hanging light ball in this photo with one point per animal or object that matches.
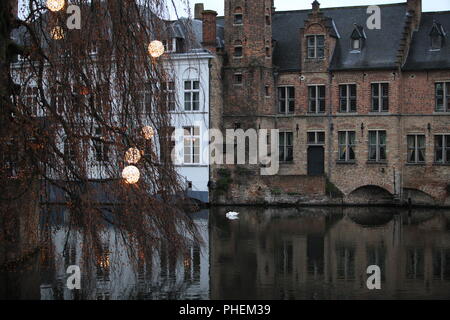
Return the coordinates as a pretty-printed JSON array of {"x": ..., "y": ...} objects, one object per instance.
[
  {"x": 132, "y": 156},
  {"x": 156, "y": 48},
  {"x": 57, "y": 33},
  {"x": 131, "y": 174},
  {"x": 55, "y": 5},
  {"x": 148, "y": 132}
]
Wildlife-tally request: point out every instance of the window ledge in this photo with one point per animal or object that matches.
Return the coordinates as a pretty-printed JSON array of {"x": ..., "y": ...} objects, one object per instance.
[
  {"x": 442, "y": 113},
  {"x": 381, "y": 113},
  {"x": 349, "y": 163},
  {"x": 381, "y": 163},
  {"x": 437, "y": 164},
  {"x": 286, "y": 162},
  {"x": 416, "y": 164},
  {"x": 313, "y": 114}
]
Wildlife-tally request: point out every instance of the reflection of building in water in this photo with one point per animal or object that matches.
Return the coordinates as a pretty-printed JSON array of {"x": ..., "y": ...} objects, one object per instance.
[
  {"x": 316, "y": 254},
  {"x": 115, "y": 276}
]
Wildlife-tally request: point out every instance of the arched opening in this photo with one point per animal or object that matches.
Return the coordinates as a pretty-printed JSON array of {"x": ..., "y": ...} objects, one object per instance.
[
  {"x": 417, "y": 196},
  {"x": 370, "y": 194}
]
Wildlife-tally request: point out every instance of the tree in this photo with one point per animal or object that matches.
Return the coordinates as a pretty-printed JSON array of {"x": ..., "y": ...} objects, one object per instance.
[{"x": 71, "y": 107}]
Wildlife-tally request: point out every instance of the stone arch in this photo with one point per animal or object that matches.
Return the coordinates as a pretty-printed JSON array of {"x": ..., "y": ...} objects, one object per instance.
[
  {"x": 418, "y": 196},
  {"x": 370, "y": 194}
]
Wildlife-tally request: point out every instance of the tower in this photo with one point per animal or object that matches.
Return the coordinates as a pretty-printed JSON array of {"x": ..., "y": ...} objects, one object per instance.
[{"x": 248, "y": 74}]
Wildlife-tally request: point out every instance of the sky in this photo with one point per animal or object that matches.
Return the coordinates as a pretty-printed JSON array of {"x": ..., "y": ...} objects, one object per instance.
[{"x": 217, "y": 5}]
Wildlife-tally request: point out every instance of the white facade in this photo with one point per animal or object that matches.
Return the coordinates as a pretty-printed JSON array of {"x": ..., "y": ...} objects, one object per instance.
[{"x": 191, "y": 119}]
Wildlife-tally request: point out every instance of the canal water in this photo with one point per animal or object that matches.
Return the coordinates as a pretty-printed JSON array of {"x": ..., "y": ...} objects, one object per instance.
[{"x": 275, "y": 253}]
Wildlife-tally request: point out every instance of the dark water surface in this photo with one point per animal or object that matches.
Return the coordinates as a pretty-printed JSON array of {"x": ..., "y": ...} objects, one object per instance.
[{"x": 310, "y": 253}]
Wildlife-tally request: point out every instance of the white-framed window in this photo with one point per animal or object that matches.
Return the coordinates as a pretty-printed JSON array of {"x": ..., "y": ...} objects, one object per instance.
[
  {"x": 238, "y": 50},
  {"x": 442, "y": 96},
  {"x": 416, "y": 148},
  {"x": 191, "y": 95},
  {"x": 144, "y": 98},
  {"x": 356, "y": 44},
  {"x": 170, "y": 45},
  {"x": 70, "y": 150},
  {"x": 286, "y": 100},
  {"x": 380, "y": 97},
  {"x": 442, "y": 148},
  {"x": 316, "y": 47},
  {"x": 347, "y": 144},
  {"x": 30, "y": 99},
  {"x": 347, "y": 94},
  {"x": 238, "y": 16},
  {"x": 168, "y": 88},
  {"x": 191, "y": 142},
  {"x": 286, "y": 145},
  {"x": 101, "y": 149},
  {"x": 316, "y": 138},
  {"x": 316, "y": 97},
  {"x": 58, "y": 98},
  {"x": 377, "y": 145}
]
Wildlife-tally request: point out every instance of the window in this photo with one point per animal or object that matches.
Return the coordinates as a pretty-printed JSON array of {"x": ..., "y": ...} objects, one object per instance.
[
  {"x": 286, "y": 100},
  {"x": 101, "y": 148},
  {"x": 286, "y": 146},
  {"x": 443, "y": 97},
  {"x": 267, "y": 91},
  {"x": 30, "y": 99},
  {"x": 356, "y": 44},
  {"x": 316, "y": 138},
  {"x": 238, "y": 78},
  {"x": 442, "y": 149},
  {"x": 144, "y": 98},
  {"x": 345, "y": 263},
  {"x": 377, "y": 146},
  {"x": 9, "y": 157},
  {"x": 170, "y": 45},
  {"x": 380, "y": 97},
  {"x": 316, "y": 47},
  {"x": 167, "y": 144},
  {"x": 316, "y": 96},
  {"x": 238, "y": 16},
  {"x": 416, "y": 148},
  {"x": 58, "y": 98},
  {"x": 347, "y": 143},
  {"x": 238, "y": 49},
  {"x": 347, "y": 94},
  {"x": 70, "y": 150},
  {"x": 191, "y": 145},
  {"x": 191, "y": 95},
  {"x": 436, "y": 42},
  {"x": 168, "y": 88}
]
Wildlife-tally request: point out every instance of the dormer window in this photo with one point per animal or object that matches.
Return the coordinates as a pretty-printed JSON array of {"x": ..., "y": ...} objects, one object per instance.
[
  {"x": 238, "y": 16},
  {"x": 357, "y": 38},
  {"x": 437, "y": 35},
  {"x": 316, "y": 47},
  {"x": 170, "y": 45}
]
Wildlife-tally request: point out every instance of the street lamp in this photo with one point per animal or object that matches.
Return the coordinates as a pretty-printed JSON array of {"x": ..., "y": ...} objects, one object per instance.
[
  {"x": 55, "y": 5},
  {"x": 132, "y": 156},
  {"x": 131, "y": 175},
  {"x": 156, "y": 48},
  {"x": 148, "y": 132}
]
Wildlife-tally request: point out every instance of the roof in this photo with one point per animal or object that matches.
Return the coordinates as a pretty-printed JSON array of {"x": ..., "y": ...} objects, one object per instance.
[
  {"x": 380, "y": 48},
  {"x": 420, "y": 56}
]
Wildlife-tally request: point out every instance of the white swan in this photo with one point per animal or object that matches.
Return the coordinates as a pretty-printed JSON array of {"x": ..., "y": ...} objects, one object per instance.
[{"x": 232, "y": 215}]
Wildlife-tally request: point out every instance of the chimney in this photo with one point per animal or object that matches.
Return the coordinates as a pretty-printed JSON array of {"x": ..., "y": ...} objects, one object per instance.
[
  {"x": 198, "y": 9},
  {"x": 209, "y": 30},
  {"x": 315, "y": 6},
  {"x": 416, "y": 6}
]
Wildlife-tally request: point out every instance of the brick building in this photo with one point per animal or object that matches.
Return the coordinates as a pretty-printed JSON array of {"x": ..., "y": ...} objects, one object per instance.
[{"x": 363, "y": 113}]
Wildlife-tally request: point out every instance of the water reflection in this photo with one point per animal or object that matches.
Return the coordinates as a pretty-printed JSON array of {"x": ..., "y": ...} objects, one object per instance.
[
  {"x": 324, "y": 254},
  {"x": 318, "y": 253}
]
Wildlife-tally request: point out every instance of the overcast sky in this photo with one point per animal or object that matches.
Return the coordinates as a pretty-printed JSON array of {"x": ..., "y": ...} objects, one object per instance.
[{"x": 217, "y": 5}]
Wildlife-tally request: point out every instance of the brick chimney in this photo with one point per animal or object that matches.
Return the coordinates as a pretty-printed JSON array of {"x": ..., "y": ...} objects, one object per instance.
[
  {"x": 416, "y": 6},
  {"x": 209, "y": 30},
  {"x": 198, "y": 9},
  {"x": 315, "y": 6}
]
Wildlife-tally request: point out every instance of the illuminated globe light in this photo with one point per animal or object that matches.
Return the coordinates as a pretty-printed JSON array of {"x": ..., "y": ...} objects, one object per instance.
[
  {"x": 57, "y": 33},
  {"x": 131, "y": 174},
  {"x": 55, "y": 5},
  {"x": 132, "y": 156},
  {"x": 156, "y": 48},
  {"x": 148, "y": 132}
]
